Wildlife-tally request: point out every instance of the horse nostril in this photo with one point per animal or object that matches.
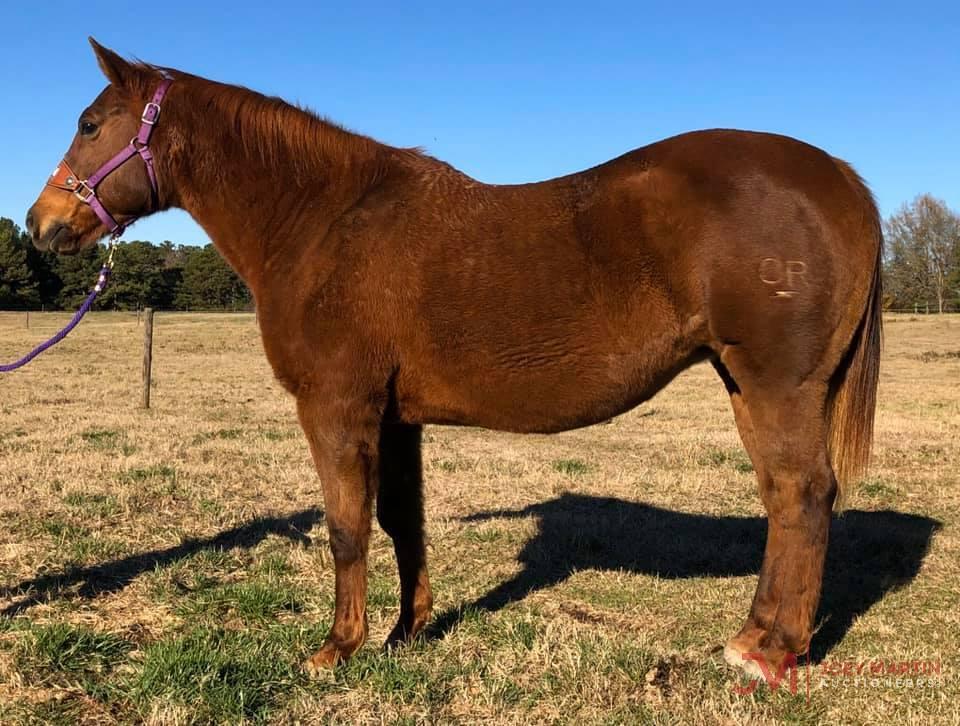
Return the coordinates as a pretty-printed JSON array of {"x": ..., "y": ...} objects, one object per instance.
[{"x": 30, "y": 223}]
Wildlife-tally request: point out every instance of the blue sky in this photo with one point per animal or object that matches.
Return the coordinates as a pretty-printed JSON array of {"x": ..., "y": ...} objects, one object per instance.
[{"x": 512, "y": 92}]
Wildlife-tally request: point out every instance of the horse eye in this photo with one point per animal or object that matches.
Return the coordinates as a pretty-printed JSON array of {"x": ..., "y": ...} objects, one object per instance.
[{"x": 87, "y": 128}]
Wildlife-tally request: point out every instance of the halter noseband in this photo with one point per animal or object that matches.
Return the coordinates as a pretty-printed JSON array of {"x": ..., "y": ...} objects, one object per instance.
[{"x": 63, "y": 176}]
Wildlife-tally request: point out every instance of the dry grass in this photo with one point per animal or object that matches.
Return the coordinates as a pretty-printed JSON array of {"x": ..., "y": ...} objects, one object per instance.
[{"x": 171, "y": 566}]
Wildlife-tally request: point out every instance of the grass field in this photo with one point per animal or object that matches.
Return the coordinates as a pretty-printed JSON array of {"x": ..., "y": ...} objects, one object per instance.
[{"x": 171, "y": 565}]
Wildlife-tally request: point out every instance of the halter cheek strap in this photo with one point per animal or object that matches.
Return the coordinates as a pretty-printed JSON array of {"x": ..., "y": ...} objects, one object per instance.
[{"x": 65, "y": 178}]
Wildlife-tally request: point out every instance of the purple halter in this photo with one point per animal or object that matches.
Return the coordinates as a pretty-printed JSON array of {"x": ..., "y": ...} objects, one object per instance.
[{"x": 64, "y": 177}]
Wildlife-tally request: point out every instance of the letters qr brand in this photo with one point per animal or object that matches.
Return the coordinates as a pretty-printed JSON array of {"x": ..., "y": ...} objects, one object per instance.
[{"x": 787, "y": 276}]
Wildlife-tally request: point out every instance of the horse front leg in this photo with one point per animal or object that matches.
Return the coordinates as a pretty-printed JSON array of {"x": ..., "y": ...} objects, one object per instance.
[{"x": 343, "y": 440}]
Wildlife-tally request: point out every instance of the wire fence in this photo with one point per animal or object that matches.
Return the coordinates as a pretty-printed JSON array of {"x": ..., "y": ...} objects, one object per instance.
[{"x": 42, "y": 319}]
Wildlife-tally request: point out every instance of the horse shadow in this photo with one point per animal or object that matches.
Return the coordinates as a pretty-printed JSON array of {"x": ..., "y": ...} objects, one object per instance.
[
  {"x": 89, "y": 582},
  {"x": 869, "y": 555}
]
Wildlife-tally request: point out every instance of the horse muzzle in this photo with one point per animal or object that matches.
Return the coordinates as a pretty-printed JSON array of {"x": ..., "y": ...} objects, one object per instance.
[{"x": 56, "y": 235}]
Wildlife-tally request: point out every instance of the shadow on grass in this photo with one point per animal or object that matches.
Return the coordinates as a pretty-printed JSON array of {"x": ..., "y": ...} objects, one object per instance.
[
  {"x": 88, "y": 582},
  {"x": 870, "y": 554}
]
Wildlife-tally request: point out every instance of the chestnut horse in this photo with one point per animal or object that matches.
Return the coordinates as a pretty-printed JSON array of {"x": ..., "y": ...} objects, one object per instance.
[{"x": 394, "y": 291}]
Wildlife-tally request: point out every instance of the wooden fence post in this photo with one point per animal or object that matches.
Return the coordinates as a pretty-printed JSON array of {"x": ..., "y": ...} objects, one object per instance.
[
  {"x": 28, "y": 320},
  {"x": 147, "y": 355}
]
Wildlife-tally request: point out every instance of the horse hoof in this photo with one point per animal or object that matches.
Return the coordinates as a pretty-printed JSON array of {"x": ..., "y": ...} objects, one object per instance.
[
  {"x": 323, "y": 661},
  {"x": 734, "y": 656},
  {"x": 403, "y": 634},
  {"x": 398, "y": 638}
]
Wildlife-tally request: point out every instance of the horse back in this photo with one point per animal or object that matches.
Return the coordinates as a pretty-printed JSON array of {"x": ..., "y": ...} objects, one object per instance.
[{"x": 542, "y": 307}]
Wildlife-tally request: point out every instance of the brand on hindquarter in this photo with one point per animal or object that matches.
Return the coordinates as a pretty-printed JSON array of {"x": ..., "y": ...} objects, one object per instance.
[{"x": 786, "y": 277}]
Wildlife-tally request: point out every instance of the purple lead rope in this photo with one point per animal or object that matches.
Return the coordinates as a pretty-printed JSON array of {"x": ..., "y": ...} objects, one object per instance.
[{"x": 78, "y": 316}]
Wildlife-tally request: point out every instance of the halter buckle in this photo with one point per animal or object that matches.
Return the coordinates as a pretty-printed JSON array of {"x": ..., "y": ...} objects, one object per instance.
[
  {"x": 151, "y": 112},
  {"x": 79, "y": 192}
]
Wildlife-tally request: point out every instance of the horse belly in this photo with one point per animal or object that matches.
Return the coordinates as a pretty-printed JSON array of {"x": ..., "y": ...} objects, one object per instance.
[{"x": 537, "y": 389}]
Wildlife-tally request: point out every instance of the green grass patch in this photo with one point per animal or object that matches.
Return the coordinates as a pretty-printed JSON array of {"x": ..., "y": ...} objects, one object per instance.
[
  {"x": 102, "y": 439},
  {"x": 571, "y": 467},
  {"x": 154, "y": 482},
  {"x": 631, "y": 660},
  {"x": 80, "y": 544},
  {"x": 382, "y": 592},
  {"x": 401, "y": 678},
  {"x": 877, "y": 488},
  {"x": 210, "y": 507},
  {"x": 273, "y": 565},
  {"x": 256, "y": 600},
  {"x": 62, "y": 530},
  {"x": 274, "y": 435},
  {"x": 507, "y": 629},
  {"x": 607, "y": 593},
  {"x": 100, "y": 505},
  {"x": 482, "y": 535},
  {"x": 735, "y": 459},
  {"x": 524, "y": 632},
  {"x": 204, "y": 569},
  {"x": 108, "y": 440},
  {"x": 45, "y": 651},
  {"x": 94, "y": 548},
  {"x": 143, "y": 474},
  {"x": 225, "y": 676}
]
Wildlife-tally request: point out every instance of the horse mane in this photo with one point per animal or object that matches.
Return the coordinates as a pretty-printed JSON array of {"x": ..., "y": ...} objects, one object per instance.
[{"x": 273, "y": 130}]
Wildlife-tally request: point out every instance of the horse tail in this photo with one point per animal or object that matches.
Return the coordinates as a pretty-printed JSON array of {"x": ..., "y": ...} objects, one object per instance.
[{"x": 852, "y": 398}]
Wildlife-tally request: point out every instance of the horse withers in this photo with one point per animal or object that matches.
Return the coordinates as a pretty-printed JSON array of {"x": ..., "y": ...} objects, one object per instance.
[{"x": 394, "y": 291}]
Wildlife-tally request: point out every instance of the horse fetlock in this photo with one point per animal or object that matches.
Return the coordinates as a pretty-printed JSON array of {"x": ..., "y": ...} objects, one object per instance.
[
  {"x": 334, "y": 651},
  {"x": 410, "y": 623}
]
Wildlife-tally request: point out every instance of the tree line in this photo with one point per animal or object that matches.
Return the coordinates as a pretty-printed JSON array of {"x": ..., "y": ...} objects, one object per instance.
[
  {"x": 922, "y": 257},
  {"x": 164, "y": 276},
  {"x": 921, "y": 270}
]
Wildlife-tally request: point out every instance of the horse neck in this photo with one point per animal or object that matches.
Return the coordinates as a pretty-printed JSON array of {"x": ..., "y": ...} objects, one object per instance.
[{"x": 255, "y": 197}]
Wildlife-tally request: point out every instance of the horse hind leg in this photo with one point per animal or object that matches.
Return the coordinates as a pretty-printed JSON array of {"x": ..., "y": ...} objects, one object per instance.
[
  {"x": 400, "y": 513},
  {"x": 784, "y": 430}
]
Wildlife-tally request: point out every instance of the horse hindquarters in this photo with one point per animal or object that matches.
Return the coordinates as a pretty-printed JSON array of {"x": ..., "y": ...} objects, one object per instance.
[{"x": 801, "y": 371}]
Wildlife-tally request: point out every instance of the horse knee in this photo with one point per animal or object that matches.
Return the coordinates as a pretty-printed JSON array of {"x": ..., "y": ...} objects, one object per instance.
[
  {"x": 346, "y": 544},
  {"x": 799, "y": 494}
]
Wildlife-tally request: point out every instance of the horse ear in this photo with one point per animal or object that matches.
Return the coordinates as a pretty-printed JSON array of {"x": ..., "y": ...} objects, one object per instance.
[{"x": 117, "y": 70}]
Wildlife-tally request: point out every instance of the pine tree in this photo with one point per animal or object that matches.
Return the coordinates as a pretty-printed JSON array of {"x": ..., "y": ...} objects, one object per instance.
[
  {"x": 209, "y": 283},
  {"x": 43, "y": 266},
  {"x": 78, "y": 273},
  {"x": 139, "y": 280},
  {"x": 18, "y": 288}
]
